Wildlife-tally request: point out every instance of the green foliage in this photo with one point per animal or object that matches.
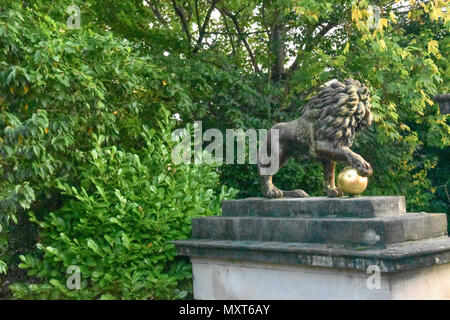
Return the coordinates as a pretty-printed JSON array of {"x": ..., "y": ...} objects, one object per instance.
[
  {"x": 117, "y": 225},
  {"x": 64, "y": 91}
]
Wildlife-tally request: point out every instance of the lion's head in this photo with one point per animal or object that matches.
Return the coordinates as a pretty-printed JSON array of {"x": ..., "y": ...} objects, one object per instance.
[{"x": 338, "y": 111}]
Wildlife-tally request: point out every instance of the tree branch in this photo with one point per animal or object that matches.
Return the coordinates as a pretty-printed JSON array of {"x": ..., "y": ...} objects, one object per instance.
[
  {"x": 264, "y": 21},
  {"x": 294, "y": 66},
  {"x": 230, "y": 35},
  {"x": 309, "y": 45},
  {"x": 233, "y": 18},
  {"x": 205, "y": 24},
  {"x": 196, "y": 12},
  {"x": 156, "y": 12},
  {"x": 182, "y": 15},
  {"x": 445, "y": 189}
]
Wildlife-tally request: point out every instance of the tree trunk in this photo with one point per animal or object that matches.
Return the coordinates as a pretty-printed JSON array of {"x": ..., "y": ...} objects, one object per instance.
[{"x": 277, "y": 48}]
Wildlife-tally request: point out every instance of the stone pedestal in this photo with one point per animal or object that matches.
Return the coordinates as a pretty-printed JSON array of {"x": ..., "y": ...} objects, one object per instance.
[
  {"x": 444, "y": 103},
  {"x": 319, "y": 248}
]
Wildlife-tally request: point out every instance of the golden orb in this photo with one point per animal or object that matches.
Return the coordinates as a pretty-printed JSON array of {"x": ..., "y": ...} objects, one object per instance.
[{"x": 350, "y": 182}]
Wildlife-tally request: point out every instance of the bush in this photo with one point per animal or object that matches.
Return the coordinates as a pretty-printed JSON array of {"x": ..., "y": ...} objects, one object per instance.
[
  {"x": 73, "y": 146},
  {"x": 117, "y": 225}
]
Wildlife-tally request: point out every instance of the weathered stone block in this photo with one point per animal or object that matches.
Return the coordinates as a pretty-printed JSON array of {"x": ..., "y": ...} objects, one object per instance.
[
  {"x": 361, "y": 207},
  {"x": 378, "y": 231}
]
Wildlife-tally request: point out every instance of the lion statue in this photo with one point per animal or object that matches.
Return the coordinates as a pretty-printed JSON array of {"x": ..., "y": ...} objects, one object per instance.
[{"x": 324, "y": 131}]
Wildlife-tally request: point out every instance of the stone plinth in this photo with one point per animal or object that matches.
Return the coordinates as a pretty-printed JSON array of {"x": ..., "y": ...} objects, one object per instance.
[
  {"x": 444, "y": 103},
  {"x": 319, "y": 248}
]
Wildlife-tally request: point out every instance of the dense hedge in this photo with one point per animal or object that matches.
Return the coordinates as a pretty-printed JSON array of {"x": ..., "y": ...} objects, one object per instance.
[{"x": 86, "y": 155}]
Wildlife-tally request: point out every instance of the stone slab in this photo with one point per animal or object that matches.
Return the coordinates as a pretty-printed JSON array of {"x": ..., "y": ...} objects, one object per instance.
[
  {"x": 379, "y": 231},
  {"x": 393, "y": 258},
  {"x": 361, "y": 207}
]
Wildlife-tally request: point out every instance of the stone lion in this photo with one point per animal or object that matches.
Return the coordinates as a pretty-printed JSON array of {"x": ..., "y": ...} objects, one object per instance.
[{"x": 324, "y": 131}]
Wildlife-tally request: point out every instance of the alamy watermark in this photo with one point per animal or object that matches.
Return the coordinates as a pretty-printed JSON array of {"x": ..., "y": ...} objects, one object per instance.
[
  {"x": 74, "y": 20},
  {"x": 373, "y": 22},
  {"x": 235, "y": 141},
  {"x": 374, "y": 280},
  {"x": 74, "y": 280}
]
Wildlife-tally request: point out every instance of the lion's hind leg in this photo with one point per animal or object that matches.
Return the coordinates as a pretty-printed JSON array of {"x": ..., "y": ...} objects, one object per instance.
[
  {"x": 268, "y": 188},
  {"x": 287, "y": 133}
]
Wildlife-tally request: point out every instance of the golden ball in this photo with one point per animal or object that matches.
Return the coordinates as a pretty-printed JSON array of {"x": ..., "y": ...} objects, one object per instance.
[{"x": 350, "y": 182}]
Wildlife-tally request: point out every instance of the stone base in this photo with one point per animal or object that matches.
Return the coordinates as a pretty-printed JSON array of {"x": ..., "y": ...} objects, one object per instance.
[
  {"x": 319, "y": 248},
  {"x": 216, "y": 279}
]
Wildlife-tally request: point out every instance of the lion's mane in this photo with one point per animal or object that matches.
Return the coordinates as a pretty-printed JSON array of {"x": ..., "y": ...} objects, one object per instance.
[{"x": 337, "y": 112}]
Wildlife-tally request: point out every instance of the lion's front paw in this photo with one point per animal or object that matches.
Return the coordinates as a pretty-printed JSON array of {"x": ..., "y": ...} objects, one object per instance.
[
  {"x": 364, "y": 169},
  {"x": 333, "y": 192}
]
